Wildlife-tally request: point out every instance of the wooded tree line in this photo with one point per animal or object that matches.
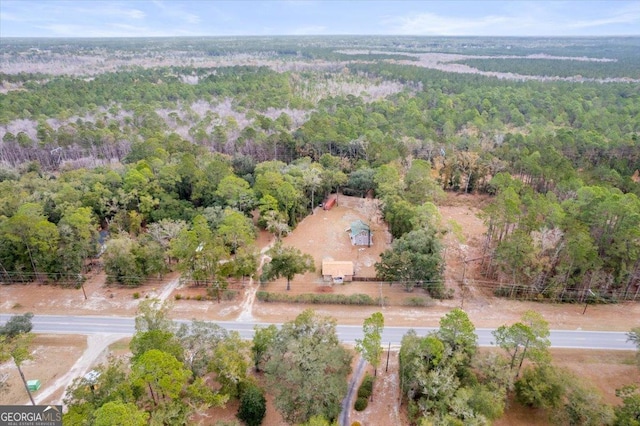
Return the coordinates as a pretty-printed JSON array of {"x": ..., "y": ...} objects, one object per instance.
[
  {"x": 462, "y": 123},
  {"x": 175, "y": 205},
  {"x": 624, "y": 67},
  {"x": 185, "y": 201},
  {"x": 576, "y": 244},
  {"x": 445, "y": 381},
  {"x": 179, "y": 372}
]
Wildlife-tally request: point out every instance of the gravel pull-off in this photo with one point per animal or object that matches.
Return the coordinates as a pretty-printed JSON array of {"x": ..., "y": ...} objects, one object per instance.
[{"x": 97, "y": 345}]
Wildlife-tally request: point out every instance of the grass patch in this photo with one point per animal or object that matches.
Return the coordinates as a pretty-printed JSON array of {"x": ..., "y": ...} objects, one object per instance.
[
  {"x": 320, "y": 299},
  {"x": 417, "y": 301},
  {"x": 120, "y": 345},
  {"x": 229, "y": 294}
]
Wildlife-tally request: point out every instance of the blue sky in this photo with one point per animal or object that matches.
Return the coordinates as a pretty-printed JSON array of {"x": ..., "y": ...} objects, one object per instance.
[{"x": 154, "y": 18}]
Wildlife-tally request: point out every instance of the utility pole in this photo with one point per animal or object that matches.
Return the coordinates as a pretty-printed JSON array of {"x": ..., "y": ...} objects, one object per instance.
[
  {"x": 587, "y": 301},
  {"x": 388, "y": 353}
]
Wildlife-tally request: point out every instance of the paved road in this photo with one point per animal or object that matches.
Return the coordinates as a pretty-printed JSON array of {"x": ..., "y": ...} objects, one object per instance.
[{"x": 576, "y": 339}]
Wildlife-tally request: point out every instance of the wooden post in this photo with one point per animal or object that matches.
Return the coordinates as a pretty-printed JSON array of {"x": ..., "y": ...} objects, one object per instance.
[{"x": 388, "y": 353}]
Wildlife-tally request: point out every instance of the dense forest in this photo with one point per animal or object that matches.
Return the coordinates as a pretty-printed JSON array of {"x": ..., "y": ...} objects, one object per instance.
[
  {"x": 169, "y": 147},
  {"x": 144, "y": 156}
]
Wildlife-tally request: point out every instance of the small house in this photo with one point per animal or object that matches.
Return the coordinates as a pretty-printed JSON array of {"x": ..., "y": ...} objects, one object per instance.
[
  {"x": 360, "y": 234},
  {"x": 337, "y": 271}
]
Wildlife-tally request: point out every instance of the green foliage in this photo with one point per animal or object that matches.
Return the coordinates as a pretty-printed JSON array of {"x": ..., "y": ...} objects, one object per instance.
[
  {"x": 199, "y": 341},
  {"x": 541, "y": 386},
  {"x": 162, "y": 373},
  {"x": 414, "y": 259},
  {"x": 528, "y": 339},
  {"x": 230, "y": 362},
  {"x": 253, "y": 405},
  {"x": 567, "y": 224},
  {"x": 117, "y": 412},
  {"x": 485, "y": 403},
  {"x": 17, "y": 324},
  {"x": 458, "y": 333},
  {"x": 129, "y": 262},
  {"x": 583, "y": 405},
  {"x": 200, "y": 252},
  {"x": 161, "y": 340},
  {"x": 418, "y": 301},
  {"x": 370, "y": 347},
  {"x": 437, "y": 381},
  {"x": 263, "y": 338},
  {"x": 318, "y": 421},
  {"x": 28, "y": 242},
  {"x": 361, "y": 403},
  {"x": 313, "y": 298},
  {"x": 634, "y": 337},
  {"x": 153, "y": 314},
  {"x": 108, "y": 383},
  {"x": 366, "y": 387},
  {"x": 286, "y": 262},
  {"x": 360, "y": 182},
  {"x": 628, "y": 414},
  {"x": 305, "y": 357},
  {"x": 400, "y": 215}
]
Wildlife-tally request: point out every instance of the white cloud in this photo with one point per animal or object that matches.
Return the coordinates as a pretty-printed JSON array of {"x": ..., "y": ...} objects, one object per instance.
[
  {"x": 308, "y": 30},
  {"x": 175, "y": 10},
  {"x": 433, "y": 24},
  {"x": 628, "y": 15},
  {"x": 11, "y": 17},
  {"x": 299, "y": 3},
  {"x": 518, "y": 19},
  {"x": 112, "y": 11},
  {"x": 107, "y": 30}
]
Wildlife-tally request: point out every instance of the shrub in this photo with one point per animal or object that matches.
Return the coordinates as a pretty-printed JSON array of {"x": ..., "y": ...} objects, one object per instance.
[
  {"x": 136, "y": 295},
  {"x": 336, "y": 299},
  {"x": 361, "y": 404},
  {"x": 356, "y": 423},
  {"x": 253, "y": 405},
  {"x": 417, "y": 301},
  {"x": 366, "y": 388},
  {"x": 198, "y": 297},
  {"x": 229, "y": 294},
  {"x": 178, "y": 297}
]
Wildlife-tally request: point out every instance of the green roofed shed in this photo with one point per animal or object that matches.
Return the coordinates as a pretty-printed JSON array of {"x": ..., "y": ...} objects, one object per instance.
[{"x": 361, "y": 234}]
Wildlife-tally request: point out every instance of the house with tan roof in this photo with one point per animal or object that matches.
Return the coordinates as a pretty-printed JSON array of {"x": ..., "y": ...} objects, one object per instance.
[{"x": 337, "y": 271}]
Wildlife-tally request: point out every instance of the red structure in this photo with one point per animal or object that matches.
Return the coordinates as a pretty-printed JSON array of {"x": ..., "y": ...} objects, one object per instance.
[{"x": 329, "y": 204}]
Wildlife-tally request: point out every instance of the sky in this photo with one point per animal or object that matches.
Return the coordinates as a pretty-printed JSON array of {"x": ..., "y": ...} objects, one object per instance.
[{"x": 161, "y": 18}]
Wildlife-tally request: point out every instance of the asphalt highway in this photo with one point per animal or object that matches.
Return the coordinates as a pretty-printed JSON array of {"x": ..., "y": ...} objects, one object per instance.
[{"x": 574, "y": 339}]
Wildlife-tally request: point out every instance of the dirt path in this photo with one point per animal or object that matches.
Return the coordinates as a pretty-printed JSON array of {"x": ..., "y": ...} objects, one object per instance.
[
  {"x": 169, "y": 288},
  {"x": 246, "y": 307},
  {"x": 346, "y": 403},
  {"x": 97, "y": 345}
]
